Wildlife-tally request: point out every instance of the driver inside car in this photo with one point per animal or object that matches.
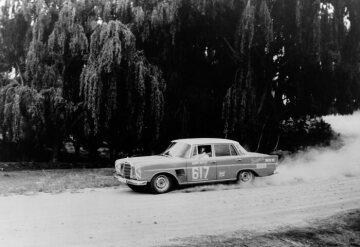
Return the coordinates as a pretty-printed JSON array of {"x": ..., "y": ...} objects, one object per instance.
[{"x": 202, "y": 154}]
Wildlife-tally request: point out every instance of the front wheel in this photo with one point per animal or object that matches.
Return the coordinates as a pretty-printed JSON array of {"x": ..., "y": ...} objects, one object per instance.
[
  {"x": 160, "y": 184},
  {"x": 246, "y": 177}
]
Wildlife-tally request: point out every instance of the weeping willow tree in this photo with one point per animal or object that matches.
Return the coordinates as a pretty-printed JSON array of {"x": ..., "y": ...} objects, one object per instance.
[
  {"x": 231, "y": 68},
  {"x": 53, "y": 65},
  {"x": 30, "y": 119},
  {"x": 122, "y": 90},
  {"x": 40, "y": 74},
  {"x": 21, "y": 118},
  {"x": 67, "y": 45},
  {"x": 58, "y": 117},
  {"x": 13, "y": 44},
  {"x": 315, "y": 54},
  {"x": 243, "y": 102}
]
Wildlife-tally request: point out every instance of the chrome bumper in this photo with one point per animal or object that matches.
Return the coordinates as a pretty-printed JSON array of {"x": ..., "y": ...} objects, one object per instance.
[{"x": 129, "y": 181}]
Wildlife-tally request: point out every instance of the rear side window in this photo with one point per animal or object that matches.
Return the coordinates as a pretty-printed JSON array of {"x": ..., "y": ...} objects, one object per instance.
[{"x": 222, "y": 150}]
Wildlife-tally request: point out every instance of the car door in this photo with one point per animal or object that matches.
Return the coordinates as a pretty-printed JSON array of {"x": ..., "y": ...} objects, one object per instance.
[
  {"x": 229, "y": 161},
  {"x": 201, "y": 166}
]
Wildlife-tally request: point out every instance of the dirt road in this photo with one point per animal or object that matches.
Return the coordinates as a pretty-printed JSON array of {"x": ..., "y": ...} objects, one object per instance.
[
  {"x": 311, "y": 185},
  {"x": 119, "y": 217}
]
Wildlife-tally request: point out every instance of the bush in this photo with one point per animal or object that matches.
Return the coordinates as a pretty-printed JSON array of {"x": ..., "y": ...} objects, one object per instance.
[{"x": 305, "y": 131}]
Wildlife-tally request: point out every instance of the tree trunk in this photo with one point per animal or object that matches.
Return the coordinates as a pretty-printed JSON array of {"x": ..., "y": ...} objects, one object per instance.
[
  {"x": 261, "y": 136},
  {"x": 277, "y": 143},
  {"x": 20, "y": 74},
  {"x": 77, "y": 149},
  {"x": 111, "y": 151},
  {"x": 93, "y": 153},
  {"x": 55, "y": 152}
]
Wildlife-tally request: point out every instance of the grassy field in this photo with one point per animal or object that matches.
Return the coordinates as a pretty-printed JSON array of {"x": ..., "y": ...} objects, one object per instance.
[
  {"x": 339, "y": 230},
  {"x": 54, "y": 181}
]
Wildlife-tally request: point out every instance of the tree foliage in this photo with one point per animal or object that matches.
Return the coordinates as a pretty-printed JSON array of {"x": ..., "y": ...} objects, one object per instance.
[
  {"x": 120, "y": 87},
  {"x": 134, "y": 74},
  {"x": 14, "y": 43}
]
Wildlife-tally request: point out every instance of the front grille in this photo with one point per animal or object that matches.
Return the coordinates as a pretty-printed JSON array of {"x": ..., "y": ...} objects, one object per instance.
[{"x": 127, "y": 170}]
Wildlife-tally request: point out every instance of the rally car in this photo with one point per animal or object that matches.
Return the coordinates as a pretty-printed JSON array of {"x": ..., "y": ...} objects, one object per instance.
[{"x": 194, "y": 161}]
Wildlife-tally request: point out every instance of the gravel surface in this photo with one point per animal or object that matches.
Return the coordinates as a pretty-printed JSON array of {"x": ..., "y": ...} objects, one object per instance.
[{"x": 120, "y": 217}]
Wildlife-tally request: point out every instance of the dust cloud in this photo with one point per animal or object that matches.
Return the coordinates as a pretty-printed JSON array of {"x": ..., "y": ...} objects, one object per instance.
[
  {"x": 314, "y": 163},
  {"x": 327, "y": 162}
]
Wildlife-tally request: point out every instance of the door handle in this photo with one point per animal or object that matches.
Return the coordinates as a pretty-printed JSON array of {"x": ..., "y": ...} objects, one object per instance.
[
  {"x": 213, "y": 162},
  {"x": 239, "y": 159}
]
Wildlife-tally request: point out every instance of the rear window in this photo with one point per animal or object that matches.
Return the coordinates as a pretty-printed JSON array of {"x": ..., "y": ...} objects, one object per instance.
[{"x": 233, "y": 150}]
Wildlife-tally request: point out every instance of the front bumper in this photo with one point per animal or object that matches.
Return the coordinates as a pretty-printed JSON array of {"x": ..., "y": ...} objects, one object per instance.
[{"x": 129, "y": 181}]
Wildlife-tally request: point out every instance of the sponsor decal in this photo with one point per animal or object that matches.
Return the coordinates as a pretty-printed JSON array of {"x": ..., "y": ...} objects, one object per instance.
[
  {"x": 261, "y": 165},
  {"x": 222, "y": 174},
  {"x": 257, "y": 160},
  {"x": 270, "y": 160}
]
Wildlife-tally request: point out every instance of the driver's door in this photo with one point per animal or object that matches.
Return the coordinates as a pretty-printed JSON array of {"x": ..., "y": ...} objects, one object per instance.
[{"x": 201, "y": 167}]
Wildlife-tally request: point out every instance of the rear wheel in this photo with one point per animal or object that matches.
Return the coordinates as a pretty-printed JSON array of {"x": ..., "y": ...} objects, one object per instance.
[
  {"x": 246, "y": 177},
  {"x": 160, "y": 184}
]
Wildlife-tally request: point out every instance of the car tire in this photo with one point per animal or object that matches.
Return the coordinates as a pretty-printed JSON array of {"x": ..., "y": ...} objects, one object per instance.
[
  {"x": 160, "y": 183},
  {"x": 137, "y": 188},
  {"x": 246, "y": 177}
]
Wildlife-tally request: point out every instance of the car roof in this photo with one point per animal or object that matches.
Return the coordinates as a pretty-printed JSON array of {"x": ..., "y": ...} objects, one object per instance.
[{"x": 201, "y": 141}]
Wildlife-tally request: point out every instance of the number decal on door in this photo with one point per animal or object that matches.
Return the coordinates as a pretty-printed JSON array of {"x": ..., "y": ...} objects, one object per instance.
[{"x": 200, "y": 172}]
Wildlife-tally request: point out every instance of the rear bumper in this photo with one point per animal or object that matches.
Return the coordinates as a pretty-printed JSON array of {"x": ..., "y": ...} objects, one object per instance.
[{"x": 130, "y": 181}]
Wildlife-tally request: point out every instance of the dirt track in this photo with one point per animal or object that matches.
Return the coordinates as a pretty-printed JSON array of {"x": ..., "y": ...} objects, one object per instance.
[
  {"x": 119, "y": 217},
  {"x": 312, "y": 185}
]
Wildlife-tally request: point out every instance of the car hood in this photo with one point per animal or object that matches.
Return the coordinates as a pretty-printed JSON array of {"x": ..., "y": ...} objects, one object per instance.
[{"x": 149, "y": 160}]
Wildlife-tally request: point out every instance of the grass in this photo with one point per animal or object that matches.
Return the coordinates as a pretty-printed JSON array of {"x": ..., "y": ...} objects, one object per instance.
[
  {"x": 54, "y": 181},
  {"x": 339, "y": 230}
]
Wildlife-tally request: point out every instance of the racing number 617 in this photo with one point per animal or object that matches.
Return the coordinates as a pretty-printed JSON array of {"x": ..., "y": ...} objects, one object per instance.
[{"x": 200, "y": 172}]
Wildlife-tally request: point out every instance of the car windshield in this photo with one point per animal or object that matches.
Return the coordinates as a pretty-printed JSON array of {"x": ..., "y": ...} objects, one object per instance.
[{"x": 177, "y": 149}]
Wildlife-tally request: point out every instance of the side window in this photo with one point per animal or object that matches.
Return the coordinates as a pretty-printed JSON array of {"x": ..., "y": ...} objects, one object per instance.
[
  {"x": 222, "y": 150},
  {"x": 202, "y": 151},
  {"x": 233, "y": 151}
]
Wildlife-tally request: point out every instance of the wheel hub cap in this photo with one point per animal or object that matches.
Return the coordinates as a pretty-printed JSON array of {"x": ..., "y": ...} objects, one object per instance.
[
  {"x": 161, "y": 182},
  {"x": 245, "y": 177}
]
